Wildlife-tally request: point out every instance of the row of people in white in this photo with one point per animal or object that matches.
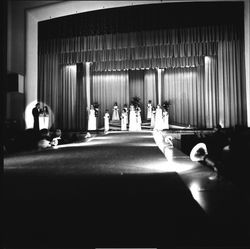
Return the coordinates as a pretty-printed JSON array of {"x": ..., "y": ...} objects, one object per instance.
[{"x": 159, "y": 118}]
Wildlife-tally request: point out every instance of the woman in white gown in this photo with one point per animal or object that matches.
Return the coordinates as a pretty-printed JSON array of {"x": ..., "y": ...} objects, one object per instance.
[
  {"x": 132, "y": 119},
  {"x": 125, "y": 107},
  {"x": 106, "y": 120},
  {"x": 152, "y": 123},
  {"x": 165, "y": 119},
  {"x": 115, "y": 115},
  {"x": 158, "y": 119},
  {"x": 149, "y": 110},
  {"x": 138, "y": 118},
  {"x": 123, "y": 120},
  {"x": 92, "y": 119}
]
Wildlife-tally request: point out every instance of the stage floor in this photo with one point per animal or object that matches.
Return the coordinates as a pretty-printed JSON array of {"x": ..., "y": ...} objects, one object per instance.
[{"x": 118, "y": 189}]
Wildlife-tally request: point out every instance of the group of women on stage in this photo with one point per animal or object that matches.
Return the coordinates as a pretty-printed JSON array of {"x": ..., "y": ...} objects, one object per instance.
[{"x": 131, "y": 118}]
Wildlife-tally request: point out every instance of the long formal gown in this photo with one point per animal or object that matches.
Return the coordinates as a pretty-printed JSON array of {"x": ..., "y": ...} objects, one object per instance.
[
  {"x": 138, "y": 119},
  {"x": 123, "y": 121},
  {"x": 149, "y": 111},
  {"x": 158, "y": 119},
  {"x": 165, "y": 120},
  {"x": 126, "y": 116},
  {"x": 92, "y": 120},
  {"x": 106, "y": 121},
  {"x": 115, "y": 115},
  {"x": 132, "y": 119},
  {"x": 152, "y": 123}
]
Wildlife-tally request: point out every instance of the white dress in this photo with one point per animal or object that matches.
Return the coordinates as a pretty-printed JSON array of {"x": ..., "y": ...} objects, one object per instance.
[
  {"x": 149, "y": 111},
  {"x": 126, "y": 116},
  {"x": 165, "y": 120},
  {"x": 115, "y": 115},
  {"x": 138, "y": 120},
  {"x": 158, "y": 119},
  {"x": 132, "y": 120},
  {"x": 152, "y": 123},
  {"x": 92, "y": 120},
  {"x": 123, "y": 121},
  {"x": 106, "y": 121}
]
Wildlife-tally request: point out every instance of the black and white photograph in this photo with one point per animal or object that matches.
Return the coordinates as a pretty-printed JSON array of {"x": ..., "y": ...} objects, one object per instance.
[{"x": 125, "y": 124}]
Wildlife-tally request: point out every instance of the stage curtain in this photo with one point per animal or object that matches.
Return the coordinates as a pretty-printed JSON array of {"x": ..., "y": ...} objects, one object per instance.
[
  {"x": 143, "y": 49},
  {"x": 48, "y": 80},
  {"x": 231, "y": 84},
  {"x": 142, "y": 83},
  {"x": 136, "y": 84},
  {"x": 150, "y": 89},
  {"x": 211, "y": 92},
  {"x": 67, "y": 98},
  {"x": 81, "y": 102},
  {"x": 108, "y": 88},
  {"x": 183, "y": 87}
]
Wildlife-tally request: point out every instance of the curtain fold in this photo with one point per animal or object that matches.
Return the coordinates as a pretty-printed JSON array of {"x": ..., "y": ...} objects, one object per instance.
[
  {"x": 108, "y": 88},
  {"x": 183, "y": 87},
  {"x": 81, "y": 102},
  {"x": 67, "y": 98},
  {"x": 48, "y": 80},
  {"x": 231, "y": 84},
  {"x": 142, "y": 83},
  {"x": 203, "y": 74}
]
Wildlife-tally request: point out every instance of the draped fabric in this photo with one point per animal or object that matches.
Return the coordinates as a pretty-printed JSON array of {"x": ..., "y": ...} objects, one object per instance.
[
  {"x": 67, "y": 101},
  {"x": 48, "y": 79},
  {"x": 142, "y": 83},
  {"x": 203, "y": 74},
  {"x": 231, "y": 84},
  {"x": 207, "y": 95},
  {"x": 81, "y": 103},
  {"x": 150, "y": 89},
  {"x": 184, "y": 88},
  {"x": 108, "y": 88},
  {"x": 136, "y": 84},
  {"x": 142, "y": 49}
]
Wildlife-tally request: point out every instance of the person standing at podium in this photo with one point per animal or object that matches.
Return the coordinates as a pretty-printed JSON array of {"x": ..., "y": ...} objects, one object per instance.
[{"x": 36, "y": 112}]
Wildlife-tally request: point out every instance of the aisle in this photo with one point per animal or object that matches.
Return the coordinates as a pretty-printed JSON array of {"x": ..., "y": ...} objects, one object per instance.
[
  {"x": 113, "y": 153},
  {"x": 99, "y": 194}
]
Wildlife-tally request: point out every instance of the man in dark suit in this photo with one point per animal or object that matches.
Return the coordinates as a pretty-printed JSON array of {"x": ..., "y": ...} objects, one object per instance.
[{"x": 36, "y": 111}]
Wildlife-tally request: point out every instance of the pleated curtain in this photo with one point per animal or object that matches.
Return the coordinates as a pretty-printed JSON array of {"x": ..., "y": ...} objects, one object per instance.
[
  {"x": 108, "y": 88},
  {"x": 203, "y": 74}
]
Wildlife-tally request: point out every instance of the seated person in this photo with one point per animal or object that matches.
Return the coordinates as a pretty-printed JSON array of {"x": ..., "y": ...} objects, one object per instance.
[
  {"x": 44, "y": 140},
  {"x": 57, "y": 138},
  {"x": 199, "y": 153}
]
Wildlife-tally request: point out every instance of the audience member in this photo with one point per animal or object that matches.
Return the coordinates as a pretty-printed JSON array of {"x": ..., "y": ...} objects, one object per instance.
[{"x": 45, "y": 139}]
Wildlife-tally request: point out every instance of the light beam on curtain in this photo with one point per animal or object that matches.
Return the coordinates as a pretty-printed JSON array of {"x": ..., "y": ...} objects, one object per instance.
[
  {"x": 108, "y": 88},
  {"x": 67, "y": 99},
  {"x": 211, "y": 92}
]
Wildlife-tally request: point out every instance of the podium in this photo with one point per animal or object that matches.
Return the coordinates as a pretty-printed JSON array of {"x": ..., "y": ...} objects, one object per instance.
[{"x": 43, "y": 122}]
